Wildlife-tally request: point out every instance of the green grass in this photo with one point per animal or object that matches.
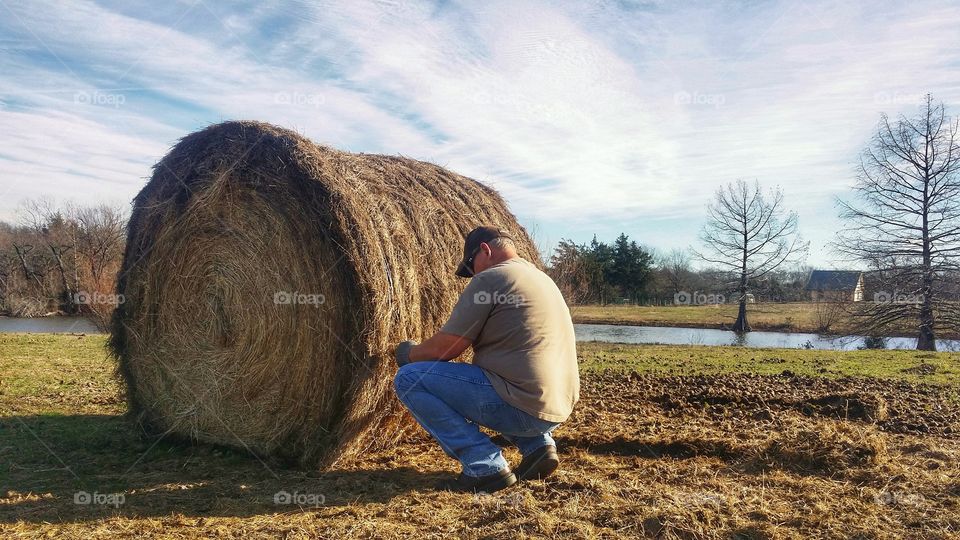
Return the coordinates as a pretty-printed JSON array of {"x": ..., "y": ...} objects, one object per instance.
[
  {"x": 38, "y": 372},
  {"x": 794, "y": 317},
  {"x": 62, "y": 388},
  {"x": 784, "y": 317},
  {"x": 695, "y": 360},
  {"x": 55, "y": 373},
  {"x": 43, "y": 364}
]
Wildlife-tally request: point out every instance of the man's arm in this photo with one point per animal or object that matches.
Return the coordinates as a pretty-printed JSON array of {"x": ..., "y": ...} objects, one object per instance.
[
  {"x": 440, "y": 347},
  {"x": 461, "y": 329}
]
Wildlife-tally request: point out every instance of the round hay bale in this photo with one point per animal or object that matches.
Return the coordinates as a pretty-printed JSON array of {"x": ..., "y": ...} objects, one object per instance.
[{"x": 267, "y": 279}]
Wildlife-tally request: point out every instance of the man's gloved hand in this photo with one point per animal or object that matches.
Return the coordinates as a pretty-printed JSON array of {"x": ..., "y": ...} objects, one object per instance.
[{"x": 402, "y": 353}]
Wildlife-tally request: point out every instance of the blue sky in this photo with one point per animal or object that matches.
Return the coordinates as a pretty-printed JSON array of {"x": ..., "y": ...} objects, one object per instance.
[{"x": 590, "y": 117}]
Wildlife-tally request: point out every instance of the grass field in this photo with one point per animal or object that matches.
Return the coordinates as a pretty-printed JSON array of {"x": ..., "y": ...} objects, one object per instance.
[
  {"x": 783, "y": 317},
  {"x": 667, "y": 442}
]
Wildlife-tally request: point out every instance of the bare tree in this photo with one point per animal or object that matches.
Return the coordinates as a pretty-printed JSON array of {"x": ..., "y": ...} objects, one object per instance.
[
  {"x": 99, "y": 251},
  {"x": 905, "y": 223},
  {"x": 28, "y": 281},
  {"x": 675, "y": 266},
  {"x": 57, "y": 233},
  {"x": 23, "y": 250},
  {"x": 16, "y": 272},
  {"x": 99, "y": 240},
  {"x": 749, "y": 235},
  {"x": 57, "y": 252},
  {"x": 828, "y": 312},
  {"x": 569, "y": 270}
]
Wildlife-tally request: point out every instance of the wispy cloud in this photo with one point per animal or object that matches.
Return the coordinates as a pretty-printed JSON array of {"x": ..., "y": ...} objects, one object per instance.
[{"x": 589, "y": 117}]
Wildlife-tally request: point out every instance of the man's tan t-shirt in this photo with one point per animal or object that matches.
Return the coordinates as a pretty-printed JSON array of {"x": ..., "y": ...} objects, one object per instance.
[{"x": 522, "y": 337}]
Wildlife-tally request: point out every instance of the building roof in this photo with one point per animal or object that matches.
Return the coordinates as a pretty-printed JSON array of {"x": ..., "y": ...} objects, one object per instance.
[{"x": 833, "y": 280}]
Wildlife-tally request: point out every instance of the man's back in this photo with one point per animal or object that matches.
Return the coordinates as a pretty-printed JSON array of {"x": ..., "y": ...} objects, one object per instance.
[{"x": 522, "y": 337}]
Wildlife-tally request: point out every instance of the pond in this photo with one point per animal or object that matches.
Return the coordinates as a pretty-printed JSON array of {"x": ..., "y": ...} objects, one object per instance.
[
  {"x": 48, "y": 325},
  {"x": 585, "y": 332},
  {"x": 708, "y": 336}
]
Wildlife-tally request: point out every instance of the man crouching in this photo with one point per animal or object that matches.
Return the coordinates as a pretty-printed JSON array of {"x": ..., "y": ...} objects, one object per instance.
[{"x": 523, "y": 381}]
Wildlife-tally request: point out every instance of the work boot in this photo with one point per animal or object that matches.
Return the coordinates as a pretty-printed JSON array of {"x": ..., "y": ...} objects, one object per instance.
[
  {"x": 539, "y": 464},
  {"x": 489, "y": 483}
]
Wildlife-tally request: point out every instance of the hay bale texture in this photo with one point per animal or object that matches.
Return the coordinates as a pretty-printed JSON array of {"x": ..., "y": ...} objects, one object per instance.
[{"x": 267, "y": 279}]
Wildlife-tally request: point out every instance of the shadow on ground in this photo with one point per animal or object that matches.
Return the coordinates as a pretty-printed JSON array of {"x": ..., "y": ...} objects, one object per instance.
[
  {"x": 56, "y": 468},
  {"x": 677, "y": 449}
]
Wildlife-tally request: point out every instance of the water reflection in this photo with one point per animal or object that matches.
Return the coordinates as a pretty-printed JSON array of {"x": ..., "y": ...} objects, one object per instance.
[
  {"x": 708, "y": 336},
  {"x": 48, "y": 325}
]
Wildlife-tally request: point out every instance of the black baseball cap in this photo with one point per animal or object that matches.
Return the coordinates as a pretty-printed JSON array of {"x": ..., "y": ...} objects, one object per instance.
[{"x": 472, "y": 244}]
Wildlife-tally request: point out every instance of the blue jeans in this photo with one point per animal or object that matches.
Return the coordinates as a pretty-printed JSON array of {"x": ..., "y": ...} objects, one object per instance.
[{"x": 452, "y": 399}]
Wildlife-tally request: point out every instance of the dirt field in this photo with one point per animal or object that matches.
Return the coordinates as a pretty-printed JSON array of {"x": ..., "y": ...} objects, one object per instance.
[{"x": 667, "y": 442}]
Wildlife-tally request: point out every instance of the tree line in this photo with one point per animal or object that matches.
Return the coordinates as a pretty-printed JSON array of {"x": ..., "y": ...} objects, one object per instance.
[
  {"x": 624, "y": 272},
  {"x": 61, "y": 259},
  {"x": 601, "y": 273}
]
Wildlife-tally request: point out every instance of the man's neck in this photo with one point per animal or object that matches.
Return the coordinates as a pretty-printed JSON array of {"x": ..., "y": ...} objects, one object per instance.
[{"x": 504, "y": 257}]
